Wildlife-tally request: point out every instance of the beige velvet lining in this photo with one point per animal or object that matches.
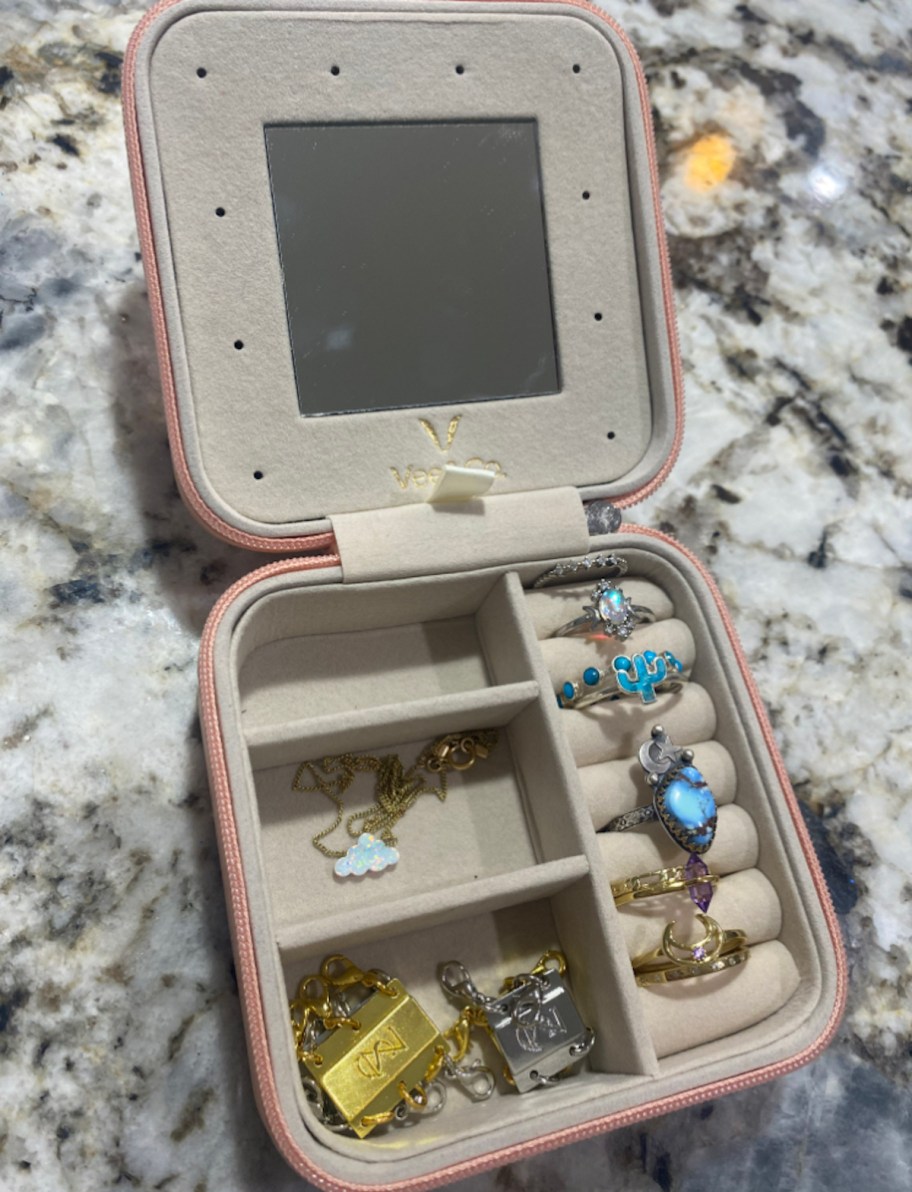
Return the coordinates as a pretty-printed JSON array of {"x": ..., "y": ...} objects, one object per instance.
[
  {"x": 202, "y": 146},
  {"x": 511, "y": 865}
]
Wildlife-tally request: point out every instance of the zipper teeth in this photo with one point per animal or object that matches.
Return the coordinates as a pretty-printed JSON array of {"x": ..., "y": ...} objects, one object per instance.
[{"x": 191, "y": 495}]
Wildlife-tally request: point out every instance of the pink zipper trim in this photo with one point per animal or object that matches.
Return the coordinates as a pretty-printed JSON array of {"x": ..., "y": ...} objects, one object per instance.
[
  {"x": 326, "y": 541},
  {"x": 671, "y": 318},
  {"x": 248, "y": 976},
  {"x": 189, "y": 491}
]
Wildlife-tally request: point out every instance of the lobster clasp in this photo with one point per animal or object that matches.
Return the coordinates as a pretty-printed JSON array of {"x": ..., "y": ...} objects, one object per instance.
[{"x": 458, "y": 751}]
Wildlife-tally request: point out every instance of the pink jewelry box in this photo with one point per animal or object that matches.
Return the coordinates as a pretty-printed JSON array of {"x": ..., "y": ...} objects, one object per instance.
[{"x": 412, "y": 613}]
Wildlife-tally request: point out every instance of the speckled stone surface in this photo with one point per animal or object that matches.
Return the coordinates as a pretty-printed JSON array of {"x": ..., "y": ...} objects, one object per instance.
[{"x": 122, "y": 1051}]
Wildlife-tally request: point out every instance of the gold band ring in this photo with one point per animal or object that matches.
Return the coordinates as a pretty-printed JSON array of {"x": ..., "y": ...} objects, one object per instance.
[
  {"x": 689, "y": 960},
  {"x": 660, "y": 881}
]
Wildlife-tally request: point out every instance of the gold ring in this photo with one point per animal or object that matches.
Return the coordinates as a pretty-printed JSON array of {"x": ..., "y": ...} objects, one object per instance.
[
  {"x": 682, "y": 972},
  {"x": 660, "y": 881},
  {"x": 673, "y": 961}
]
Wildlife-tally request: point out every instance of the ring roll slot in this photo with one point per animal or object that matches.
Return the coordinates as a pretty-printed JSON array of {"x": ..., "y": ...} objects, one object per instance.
[
  {"x": 280, "y": 744},
  {"x": 686, "y": 1014},
  {"x": 550, "y": 608},
  {"x": 617, "y": 728},
  {"x": 745, "y": 900},
  {"x": 567, "y": 657},
  {"x": 611, "y": 788},
  {"x": 649, "y": 847},
  {"x": 437, "y": 906}
]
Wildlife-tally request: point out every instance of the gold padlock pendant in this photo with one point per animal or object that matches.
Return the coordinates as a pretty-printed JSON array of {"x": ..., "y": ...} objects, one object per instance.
[{"x": 363, "y": 1069}]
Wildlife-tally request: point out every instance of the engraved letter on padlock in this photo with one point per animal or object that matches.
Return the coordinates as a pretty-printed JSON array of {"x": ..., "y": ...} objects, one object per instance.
[
  {"x": 538, "y": 1029},
  {"x": 362, "y": 1070}
]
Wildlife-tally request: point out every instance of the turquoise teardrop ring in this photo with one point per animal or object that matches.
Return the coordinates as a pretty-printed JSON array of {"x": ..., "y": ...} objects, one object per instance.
[{"x": 682, "y": 801}]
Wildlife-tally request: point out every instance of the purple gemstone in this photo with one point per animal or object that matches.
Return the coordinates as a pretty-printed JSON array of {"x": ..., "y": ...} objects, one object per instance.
[
  {"x": 699, "y": 953},
  {"x": 701, "y": 893}
]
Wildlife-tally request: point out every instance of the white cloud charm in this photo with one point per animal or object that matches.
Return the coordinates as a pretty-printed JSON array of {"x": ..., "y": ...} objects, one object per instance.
[{"x": 370, "y": 853}]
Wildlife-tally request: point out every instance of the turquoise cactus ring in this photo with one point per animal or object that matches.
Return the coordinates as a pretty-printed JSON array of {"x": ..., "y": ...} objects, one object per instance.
[{"x": 639, "y": 675}]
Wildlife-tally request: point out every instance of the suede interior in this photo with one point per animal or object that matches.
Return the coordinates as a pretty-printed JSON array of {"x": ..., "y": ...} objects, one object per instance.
[
  {"x": 512, "y": 863},
  {"x": 255, "y": 461}
]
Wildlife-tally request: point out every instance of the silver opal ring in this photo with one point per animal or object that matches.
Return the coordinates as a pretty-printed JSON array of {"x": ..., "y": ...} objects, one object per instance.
[
  {"x": 609, "y": 613},
  {"x": 639, "y": 675},
  {"x": 681, "y": 801}
]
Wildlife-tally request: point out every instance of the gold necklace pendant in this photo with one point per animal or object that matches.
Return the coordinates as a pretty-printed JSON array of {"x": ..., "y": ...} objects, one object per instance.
[{"x": 396, "y": 790}]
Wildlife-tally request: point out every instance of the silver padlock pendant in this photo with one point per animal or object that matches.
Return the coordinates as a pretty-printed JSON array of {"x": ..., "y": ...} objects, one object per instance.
[{"x": 538, "y": 1030}]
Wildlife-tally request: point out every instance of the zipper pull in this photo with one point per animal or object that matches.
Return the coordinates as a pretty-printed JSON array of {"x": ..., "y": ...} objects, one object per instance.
[{"x": 603, "y": 518}]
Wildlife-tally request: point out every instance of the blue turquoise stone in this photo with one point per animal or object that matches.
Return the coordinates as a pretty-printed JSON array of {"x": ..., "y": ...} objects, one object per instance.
[
  {"x": 672, "y": 661},
  {"x": 690, "y": 803},
  {"x": 621, "y": 664},
  {"x": 567, "y": 690},
  {"x": 591, "y": 675},
  {"x": 649, "y": 655}
]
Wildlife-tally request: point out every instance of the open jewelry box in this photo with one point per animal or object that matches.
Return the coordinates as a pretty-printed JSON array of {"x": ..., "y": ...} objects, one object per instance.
[{"x": 413, "y": 308}]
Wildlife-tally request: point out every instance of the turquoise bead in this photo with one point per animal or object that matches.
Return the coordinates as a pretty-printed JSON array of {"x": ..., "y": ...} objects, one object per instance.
[{"x": 591, "y": 675}]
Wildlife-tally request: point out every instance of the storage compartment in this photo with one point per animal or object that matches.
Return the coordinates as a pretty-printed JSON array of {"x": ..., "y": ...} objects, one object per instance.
[{"x": 515, "y": 861}]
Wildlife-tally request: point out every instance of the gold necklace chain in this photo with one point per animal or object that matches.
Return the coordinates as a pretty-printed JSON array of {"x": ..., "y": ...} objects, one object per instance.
[{"x": 397, "y": 788}]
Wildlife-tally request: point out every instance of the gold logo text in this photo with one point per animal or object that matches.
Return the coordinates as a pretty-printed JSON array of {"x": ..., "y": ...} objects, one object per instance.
[{"x": 369, "y": 1062}]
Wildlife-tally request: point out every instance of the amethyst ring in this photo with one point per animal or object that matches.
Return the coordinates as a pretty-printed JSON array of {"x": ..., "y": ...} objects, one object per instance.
[
  {"x": 714, "y": 952},
  {"x": 694, "y": 878}
]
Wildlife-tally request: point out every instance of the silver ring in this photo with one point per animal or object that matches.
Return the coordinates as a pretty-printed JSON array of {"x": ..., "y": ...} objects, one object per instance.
[
  {"x": 682, "y": 801},
  {"x": 639, "y": 675},
  {"x": 609, "y": 612},
  {"x": 613, "y": 564}
]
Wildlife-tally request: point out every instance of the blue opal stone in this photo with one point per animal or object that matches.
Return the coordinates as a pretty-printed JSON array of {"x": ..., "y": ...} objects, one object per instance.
[
  {"x": 591, "y": 675},
  {"x": 689, "y": 803}
]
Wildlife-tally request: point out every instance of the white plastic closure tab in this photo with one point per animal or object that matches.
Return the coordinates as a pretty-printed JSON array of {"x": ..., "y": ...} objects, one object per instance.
[{"x": 461, "y": 484}]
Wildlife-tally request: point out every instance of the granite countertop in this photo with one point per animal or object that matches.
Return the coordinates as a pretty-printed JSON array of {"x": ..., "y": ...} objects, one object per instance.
[{"x": 784, "y": 143}]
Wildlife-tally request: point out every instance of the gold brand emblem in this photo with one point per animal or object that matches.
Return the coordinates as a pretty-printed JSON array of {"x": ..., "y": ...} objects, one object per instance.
[
  {"x": 363, "y": 1071},
  {"x": 433, "y": 436},
  {"x": 416, "y": 476},
  {"x": 370, "y": 1063}
]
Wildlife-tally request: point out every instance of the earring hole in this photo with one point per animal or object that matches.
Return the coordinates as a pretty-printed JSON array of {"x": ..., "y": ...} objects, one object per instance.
[
  {"x": 586, "y": 194},
  {"x": 258, "y": 475},
  {"x": 201, "y": 72},
  {"x": 238, "y": 343},
  {"x": 576, "y": 68},
  {"x": 335, "y": 70},
  {"x": 598, "y": 316},
  {"x": 460, "y": 69},
  {"x": 611, "y": 434},
  {"x": 220, "y": 211}
]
